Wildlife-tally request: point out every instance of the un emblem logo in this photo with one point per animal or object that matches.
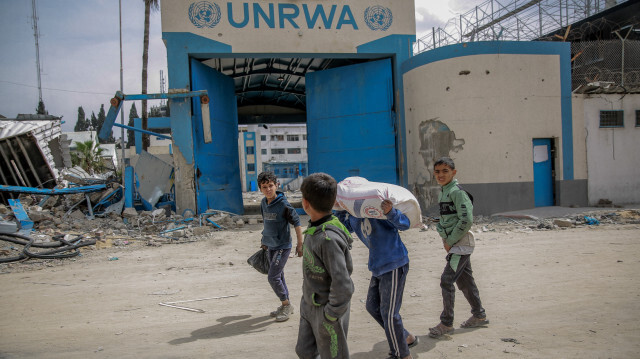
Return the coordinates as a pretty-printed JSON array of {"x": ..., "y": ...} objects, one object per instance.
[
  {"x": 378, "y": 17},
  {"x": 204, "y": 14}
]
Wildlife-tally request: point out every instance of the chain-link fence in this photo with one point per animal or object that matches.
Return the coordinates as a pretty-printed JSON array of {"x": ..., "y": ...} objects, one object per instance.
[{"x": 606, "y": 61}]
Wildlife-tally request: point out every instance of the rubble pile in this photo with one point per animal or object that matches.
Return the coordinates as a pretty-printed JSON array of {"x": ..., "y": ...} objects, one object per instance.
[
  {"x": 66, "y": 218},
  {"x": 589, "y": 219}
]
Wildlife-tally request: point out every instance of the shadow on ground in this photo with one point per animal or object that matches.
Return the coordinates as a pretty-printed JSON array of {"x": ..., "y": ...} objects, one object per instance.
[
  {"x": 228, "y": 327},
  {"x": 381, "y": 349}
]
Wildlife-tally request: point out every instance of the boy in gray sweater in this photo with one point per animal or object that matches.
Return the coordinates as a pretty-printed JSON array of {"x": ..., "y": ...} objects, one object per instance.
[{"x": 327, "y": 287}]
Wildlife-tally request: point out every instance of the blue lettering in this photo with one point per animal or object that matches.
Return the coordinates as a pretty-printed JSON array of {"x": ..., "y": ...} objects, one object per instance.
[
  {"x": 245, "y": 19},
  {"x": 288, "y": 13},
  {"x": 346, "y": 17},
  {"x": 288, "y": 17},
  {"x": 311, "y": 21},
  {"x": 268, "y": 19}
]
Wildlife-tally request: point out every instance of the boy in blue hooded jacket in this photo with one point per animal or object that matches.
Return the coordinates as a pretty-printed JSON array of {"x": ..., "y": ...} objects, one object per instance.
[
  {"x": 389, "y": 265},
  {"x": 277, "y": 214}
]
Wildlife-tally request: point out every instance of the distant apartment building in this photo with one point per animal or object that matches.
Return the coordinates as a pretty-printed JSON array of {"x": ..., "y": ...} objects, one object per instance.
[{"x": 280, "y": 148}]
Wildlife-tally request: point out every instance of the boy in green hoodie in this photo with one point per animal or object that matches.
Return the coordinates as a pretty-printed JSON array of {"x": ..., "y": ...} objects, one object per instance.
[
  {"x": 456, "y": 218},
  {"x": 326, "y": 271}
]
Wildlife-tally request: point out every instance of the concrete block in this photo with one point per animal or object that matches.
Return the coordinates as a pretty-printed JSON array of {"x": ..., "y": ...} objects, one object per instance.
[
  {"x": 129, "y": 213},
  {"x": 563, "y": 223},
  {"x": 198, "y": 231}
]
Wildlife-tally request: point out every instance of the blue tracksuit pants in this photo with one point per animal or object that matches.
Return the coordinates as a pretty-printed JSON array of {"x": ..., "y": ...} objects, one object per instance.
[
  {"x": 277, "y": 261},
  {"x": 384, "y": 300}
]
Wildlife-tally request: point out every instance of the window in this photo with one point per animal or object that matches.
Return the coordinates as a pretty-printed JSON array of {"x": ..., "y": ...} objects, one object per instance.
[
  {"x": 277, "y": 151},
  {"x": 304, "y": 137},
  {"x": 293, "y": 138},
  {"x": 612, "y": 118},
  {"x": 637, "y": 118},
  {"x": 263, "y": 137},
  {"x": 277, "y": 137},
  {"x": 263, "y": 151},
  {"x": 293, "y": 151},
  {"x": 251, "y": 167},
  {"x": 251, "y": 150}
]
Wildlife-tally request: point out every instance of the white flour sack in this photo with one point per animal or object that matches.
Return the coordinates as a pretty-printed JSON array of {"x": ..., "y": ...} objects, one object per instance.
[{"x": 362, "y": 199}]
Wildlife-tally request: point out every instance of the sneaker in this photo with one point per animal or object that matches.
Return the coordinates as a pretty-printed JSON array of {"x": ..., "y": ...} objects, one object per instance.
[
  {"x": 276, "y": 312},
  {"x": 284, "y": 313}
]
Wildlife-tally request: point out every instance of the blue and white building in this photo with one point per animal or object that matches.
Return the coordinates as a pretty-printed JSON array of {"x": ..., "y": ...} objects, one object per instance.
[{"x": 502, "y": 110}]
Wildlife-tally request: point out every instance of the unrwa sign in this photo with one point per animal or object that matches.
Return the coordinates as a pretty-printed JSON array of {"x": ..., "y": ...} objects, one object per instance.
[{"x": 203, "y": 14}]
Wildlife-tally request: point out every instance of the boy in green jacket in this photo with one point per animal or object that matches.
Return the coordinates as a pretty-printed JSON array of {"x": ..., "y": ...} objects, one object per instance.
[
  {"x": 326, "y": 271},
  {"x": 456, "y": 218}
]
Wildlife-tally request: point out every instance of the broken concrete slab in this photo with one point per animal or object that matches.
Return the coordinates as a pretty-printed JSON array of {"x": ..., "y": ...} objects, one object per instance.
[
  {"x": 563, "y": 222},
  {"x": 129, "y": 213}
]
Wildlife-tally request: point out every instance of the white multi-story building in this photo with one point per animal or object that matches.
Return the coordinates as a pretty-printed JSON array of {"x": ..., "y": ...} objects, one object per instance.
[{"x": 280, "y": 148}]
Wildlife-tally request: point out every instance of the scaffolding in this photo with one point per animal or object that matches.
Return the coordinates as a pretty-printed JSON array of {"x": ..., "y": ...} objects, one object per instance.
[{"x": 517, "y": 20}]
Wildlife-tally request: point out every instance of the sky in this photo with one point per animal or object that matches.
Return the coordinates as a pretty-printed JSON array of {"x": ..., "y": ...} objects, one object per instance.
[{"x": 80, "y": 52}]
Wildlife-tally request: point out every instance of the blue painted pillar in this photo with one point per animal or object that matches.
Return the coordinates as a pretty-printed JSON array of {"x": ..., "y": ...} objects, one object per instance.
[{"x": 129, "y": 186}]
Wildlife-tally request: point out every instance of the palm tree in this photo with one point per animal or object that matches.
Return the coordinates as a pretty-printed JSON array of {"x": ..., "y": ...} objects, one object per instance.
[
  {"x": 88, "y": 156},
  {"x": 148, "y": 5}
]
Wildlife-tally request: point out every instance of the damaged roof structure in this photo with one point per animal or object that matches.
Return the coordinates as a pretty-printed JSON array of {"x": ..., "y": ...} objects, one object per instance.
[{"x": 30, "y": 152}]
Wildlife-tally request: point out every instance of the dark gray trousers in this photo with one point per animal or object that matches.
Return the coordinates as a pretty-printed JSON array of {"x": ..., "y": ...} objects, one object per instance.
[
  {"x": 463, "y": 277},
  {"x": 319, "y": 337}
]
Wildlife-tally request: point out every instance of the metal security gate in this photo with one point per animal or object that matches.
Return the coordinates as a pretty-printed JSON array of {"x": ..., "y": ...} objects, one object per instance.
[
  {"x": 215, "y": 142},
  {"x": 350, "y": 122}
]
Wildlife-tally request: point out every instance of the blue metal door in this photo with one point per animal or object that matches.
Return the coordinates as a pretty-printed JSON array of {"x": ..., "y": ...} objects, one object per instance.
[
  {"x": 350, "y": 122},
  {"x": 217, "y": 167},
  {"x": 542, "y": 172}
]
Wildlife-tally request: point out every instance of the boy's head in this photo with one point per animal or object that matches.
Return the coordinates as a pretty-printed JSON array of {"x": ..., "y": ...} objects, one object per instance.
[
  {"x": 319, "y": 190},
  {"x": 444, "y": 170},
  {"x": 268, "y": 184}
]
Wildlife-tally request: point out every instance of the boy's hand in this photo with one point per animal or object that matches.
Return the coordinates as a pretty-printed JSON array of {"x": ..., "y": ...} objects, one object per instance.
[
  {"x": 386, "y": 206},
  {"x": 446, "y": 246},
  {"x": 299, "y": 250},
  {"x": 264, "y": 248}
]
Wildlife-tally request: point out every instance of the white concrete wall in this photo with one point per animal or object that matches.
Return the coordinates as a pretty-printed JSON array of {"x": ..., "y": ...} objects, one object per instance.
[
  {"x": 494, "y": 110},
  {"x": 346, "y": 30},
  {"x": 579, "y": 139},
  {"x": 613, "y": 154}
]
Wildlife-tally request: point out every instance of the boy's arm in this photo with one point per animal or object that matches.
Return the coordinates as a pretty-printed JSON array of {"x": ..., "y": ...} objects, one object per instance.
[
  {"x": 341, "y": 290},
  {"x": 291, "y": 215},
  {"x": 464, "y": 208},
  {"x": 398, "y": 219},
  {"x": 299, "y": 238},
  {"x": 343, "y": 217}
]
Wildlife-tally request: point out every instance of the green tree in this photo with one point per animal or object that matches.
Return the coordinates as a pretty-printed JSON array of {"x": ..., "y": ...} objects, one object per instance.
[
  {"x": 131, "y": 137},
  {"x": 148, "y": 5},
  {"x": 81, "y": 123},
  {"x": 88, "y": 156},
  {"x": 93, "y": 123},
  {"x": 40, "y": 109}
]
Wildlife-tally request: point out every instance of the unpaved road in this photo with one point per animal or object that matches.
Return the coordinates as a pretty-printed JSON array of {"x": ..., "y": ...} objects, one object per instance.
[{"x": 571, "y": 293}]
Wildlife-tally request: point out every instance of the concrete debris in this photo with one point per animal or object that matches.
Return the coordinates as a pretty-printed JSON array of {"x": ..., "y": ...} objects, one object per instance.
[
  {"x": 68, "y": 216},
  {"x": 129, "y": 213},
  {"x": 563, "y": 223}
]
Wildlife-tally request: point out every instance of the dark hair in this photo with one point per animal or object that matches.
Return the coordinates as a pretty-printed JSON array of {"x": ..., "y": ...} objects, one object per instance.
[
  {"x": 266, "y": 177},
  {"x": 445, "y": 161},
  {"x": 320, "y": 190}
]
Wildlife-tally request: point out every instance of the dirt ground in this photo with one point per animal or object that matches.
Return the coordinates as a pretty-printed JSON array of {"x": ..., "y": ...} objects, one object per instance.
[{"x": 561, "y": 293}]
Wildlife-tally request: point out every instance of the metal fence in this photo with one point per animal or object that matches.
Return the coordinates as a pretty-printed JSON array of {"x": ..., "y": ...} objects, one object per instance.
[
  {"x": 511, "y": 20},
  {"x": 615, "y": 61}
]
